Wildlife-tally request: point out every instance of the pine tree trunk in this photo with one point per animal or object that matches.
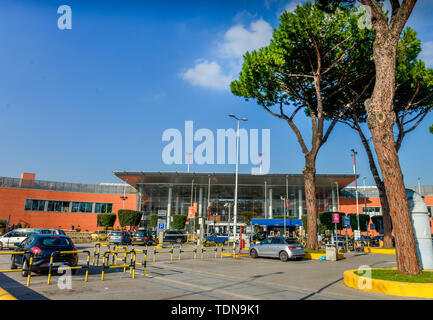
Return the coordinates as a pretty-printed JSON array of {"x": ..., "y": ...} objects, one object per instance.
[
  {"x": 387, "y": 227},
  {"x": 310, "y": 200},
  {"x": 381, "y": 120}
]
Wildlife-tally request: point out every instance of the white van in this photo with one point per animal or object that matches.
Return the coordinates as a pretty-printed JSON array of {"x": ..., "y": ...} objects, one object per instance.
[{"x": 8, "y": 240}]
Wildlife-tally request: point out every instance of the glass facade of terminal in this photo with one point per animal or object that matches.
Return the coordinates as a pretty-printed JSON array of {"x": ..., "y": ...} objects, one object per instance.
[{"x": 214, "y": 194}]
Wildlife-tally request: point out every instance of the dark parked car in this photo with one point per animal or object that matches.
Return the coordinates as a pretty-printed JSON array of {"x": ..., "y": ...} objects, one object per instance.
[
  {"x": 259, "y": 236},
  {"x": 175, "y": 236},
  {"x": 42, "y": 246},
  {"x": 142, "y": 237}
]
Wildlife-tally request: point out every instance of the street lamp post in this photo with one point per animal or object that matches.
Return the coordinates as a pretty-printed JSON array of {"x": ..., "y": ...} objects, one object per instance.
[
  {"x": 354, "y": 153},
  {"x": 235, "y": 209}
]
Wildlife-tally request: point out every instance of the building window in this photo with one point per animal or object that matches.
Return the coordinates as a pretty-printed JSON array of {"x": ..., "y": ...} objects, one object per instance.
[
  {"x": 103, "y": 207},
  {"x": 58, "y": 206},
  {"x": 63, "y": 206},
  {"x": 34, "y": 205}
]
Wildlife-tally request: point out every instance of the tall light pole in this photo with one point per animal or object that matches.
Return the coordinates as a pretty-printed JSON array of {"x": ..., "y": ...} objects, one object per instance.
[
  {"x": 419, "y": 185},
  {"x": 354, "y": 153},
  {"x": 365, "y": 197},
  {"x": 235, "y": 209}
]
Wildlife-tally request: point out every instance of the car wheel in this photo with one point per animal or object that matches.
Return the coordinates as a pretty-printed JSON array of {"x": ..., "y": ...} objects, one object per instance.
[
  {"x": 253, "y": 253},
  {"x": 284, "y": 256},
  {"x": 73, "y": 271},
  {"x": 25, "y": 271}
]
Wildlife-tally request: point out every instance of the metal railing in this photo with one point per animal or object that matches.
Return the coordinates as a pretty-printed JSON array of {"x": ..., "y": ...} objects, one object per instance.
[{"x": 6, "y": 182}]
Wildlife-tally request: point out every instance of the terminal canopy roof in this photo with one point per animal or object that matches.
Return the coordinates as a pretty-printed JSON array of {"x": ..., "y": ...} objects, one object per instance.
[{"x": 276, "y": 179}]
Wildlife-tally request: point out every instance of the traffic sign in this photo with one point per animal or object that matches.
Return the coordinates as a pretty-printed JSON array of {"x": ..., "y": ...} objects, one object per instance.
[{"x": 162, "y": 213}]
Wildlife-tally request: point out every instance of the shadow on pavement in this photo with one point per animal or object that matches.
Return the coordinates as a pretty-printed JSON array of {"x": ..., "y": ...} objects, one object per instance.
[{"x": 19, "y": 291}]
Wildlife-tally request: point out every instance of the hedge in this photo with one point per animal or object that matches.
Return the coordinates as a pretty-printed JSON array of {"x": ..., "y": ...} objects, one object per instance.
[
  {"x": 129, "y": 217},
  {"x": 378, "y": 221},
  {"x": 364, "y": 220},
  {"x": 179, "y": 221},
  {"x": 106, "y": 220},
  {"x": 153, "y": 220},
  {"x": 326, "y": 218}
]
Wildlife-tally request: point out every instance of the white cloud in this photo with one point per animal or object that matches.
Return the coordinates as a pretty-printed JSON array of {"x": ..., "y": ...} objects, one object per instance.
[
  {"x": 427, "y": 53},
  {"x": 291, "y": 6},
  {"x": 236, "y": 41},
  {"x": 208, "y": 75}
]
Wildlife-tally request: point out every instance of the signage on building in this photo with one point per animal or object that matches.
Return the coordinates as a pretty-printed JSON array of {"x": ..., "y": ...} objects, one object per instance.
[
  {"x": 162, "y": 213},
  {"x": 357, "y": 235},
  {"x": 161, "y": 224},
  {"x": 191, "y": 212},
  {"x": 335, "y": 218},
  {"x": 346, "y": 221}
]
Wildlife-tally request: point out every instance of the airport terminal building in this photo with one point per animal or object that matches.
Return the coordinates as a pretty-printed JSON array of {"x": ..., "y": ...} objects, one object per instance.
[
  {"x": 52, "y": 204},
  {"x": 174, "y": 192}
]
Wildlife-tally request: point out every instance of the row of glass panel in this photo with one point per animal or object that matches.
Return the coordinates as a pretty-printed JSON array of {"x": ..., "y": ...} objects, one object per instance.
[{"x": 67, "y": 206}]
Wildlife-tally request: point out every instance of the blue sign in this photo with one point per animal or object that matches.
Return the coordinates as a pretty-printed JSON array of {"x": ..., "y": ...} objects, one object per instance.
[
  {"x": 161, "y": 225},
  {"x": 346, "y": 222}
]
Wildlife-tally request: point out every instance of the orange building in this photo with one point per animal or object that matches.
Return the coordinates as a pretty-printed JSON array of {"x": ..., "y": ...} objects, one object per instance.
[{"x": 60, "y": 205}]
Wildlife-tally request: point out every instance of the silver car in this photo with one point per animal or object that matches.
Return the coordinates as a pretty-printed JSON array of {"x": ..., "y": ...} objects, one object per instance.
[{"x": 278, "y": 247}]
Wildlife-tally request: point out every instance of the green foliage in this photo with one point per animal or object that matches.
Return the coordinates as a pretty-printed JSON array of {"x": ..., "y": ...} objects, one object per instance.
[
  {"x": 248, "y": 216},
  {"x": 153, "y": 220},
  {"x": 431, "y": 129},
  {"x": 287, "y": 217},
  {"x": 179, "y": 221},
  {"x": 3, "y": 222},
  {"x": 325, "y": 219},
  {"x": 129, "y": 217},
  {"x": 106, "y": 219},
  {"x": 284, "y": 71},
  {"x": 18, "y": 225},
  {"x": 364, "y": 220},
  {"x": 305, "y": 223}
]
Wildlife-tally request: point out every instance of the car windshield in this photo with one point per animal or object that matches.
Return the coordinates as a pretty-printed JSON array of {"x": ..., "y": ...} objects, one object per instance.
[
  {"x": 116, "y": 233},
  {"x": 55, "y": 242}
]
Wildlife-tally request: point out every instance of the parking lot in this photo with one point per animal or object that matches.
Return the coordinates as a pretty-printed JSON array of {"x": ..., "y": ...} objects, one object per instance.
[{"x": 207, "y": 278}]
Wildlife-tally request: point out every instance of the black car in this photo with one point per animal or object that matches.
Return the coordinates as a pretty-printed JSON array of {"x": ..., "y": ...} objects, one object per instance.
[
  {"x": 175, "y": 236},
  {"x": 42, "y": 246},
  {"x": 144, "y": 237}
]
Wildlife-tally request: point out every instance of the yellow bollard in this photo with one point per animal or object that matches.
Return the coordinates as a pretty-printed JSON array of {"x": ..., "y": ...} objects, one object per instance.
[
  {"x": 49, "y": 274},
  {"x": 180, "y": 251},
  {"x": 171, "y": 253},
  {"x": 30, "y": 270},
  {"x": 87, "y": 270}
]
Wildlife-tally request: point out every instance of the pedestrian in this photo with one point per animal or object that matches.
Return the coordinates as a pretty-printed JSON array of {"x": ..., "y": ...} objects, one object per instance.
[{"x": 72, "y": 227}]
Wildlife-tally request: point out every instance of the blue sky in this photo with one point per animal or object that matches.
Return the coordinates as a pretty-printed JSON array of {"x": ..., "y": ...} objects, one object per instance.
[{"x": 77, "y": 104}]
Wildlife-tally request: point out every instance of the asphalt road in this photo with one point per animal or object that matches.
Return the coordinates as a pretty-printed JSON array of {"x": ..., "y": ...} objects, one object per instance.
[{"x": 215, "y": 279}]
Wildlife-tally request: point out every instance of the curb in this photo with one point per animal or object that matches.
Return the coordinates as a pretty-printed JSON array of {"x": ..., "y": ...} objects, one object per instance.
[
  {"x": 379, "y": 250},
  {"x": 4, "y": 295},
  {"x": 316, "y": 256},
  {"x": 396, "y": 288}
]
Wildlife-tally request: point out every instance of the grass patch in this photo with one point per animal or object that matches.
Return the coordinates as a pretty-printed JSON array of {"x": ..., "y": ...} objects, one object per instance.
[
  {"x": 393, "y": 275},
  {"x": 314, "y": 251}
]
